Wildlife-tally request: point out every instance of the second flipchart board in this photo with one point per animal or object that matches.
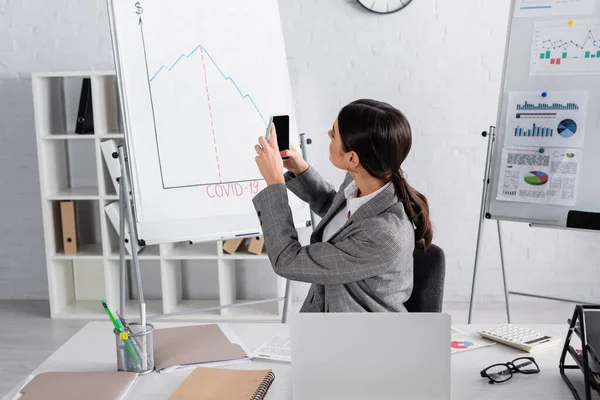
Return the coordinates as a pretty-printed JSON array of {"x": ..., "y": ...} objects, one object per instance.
[{"x": 545, "y": 164}]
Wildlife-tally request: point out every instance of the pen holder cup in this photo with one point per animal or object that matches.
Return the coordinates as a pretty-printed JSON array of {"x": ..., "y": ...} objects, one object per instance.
[{"x": 135, "y": 350}]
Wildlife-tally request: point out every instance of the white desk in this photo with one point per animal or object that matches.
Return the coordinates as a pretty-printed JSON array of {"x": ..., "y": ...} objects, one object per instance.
[{"x": 93, "y": 348}]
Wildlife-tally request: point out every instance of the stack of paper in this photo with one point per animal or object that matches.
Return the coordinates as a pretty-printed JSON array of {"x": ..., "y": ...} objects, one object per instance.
[{"x": 277, "y": 348}]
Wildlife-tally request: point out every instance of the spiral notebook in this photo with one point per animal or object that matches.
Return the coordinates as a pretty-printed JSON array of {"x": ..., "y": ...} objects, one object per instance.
[{"x": 230, "y": 384}]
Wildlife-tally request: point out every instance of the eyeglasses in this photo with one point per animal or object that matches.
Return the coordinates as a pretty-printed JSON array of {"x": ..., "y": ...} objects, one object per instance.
[{"x": 499, "y": 373}]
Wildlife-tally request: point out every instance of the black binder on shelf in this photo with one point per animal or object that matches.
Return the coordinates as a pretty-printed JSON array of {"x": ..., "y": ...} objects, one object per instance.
[
  {"x": 586, "y": 325},
  {"x": 85, "y": 116}
]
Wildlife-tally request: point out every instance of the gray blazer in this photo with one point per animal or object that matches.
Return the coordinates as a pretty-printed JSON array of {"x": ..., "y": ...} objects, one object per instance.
[{"x": 366, "y": 266}]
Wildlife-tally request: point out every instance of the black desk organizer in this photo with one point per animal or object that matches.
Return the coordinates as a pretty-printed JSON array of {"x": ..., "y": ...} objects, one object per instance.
[{"x": 577, "y": 325}]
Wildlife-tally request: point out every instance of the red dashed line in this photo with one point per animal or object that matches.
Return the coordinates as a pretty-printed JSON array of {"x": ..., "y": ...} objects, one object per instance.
[{"x": 212, "y": 125}]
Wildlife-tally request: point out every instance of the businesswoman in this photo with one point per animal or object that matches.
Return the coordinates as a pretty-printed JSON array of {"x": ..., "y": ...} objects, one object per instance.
[{"x": 361, "y": 253}]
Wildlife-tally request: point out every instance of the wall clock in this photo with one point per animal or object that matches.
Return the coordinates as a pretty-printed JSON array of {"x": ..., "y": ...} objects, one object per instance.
[{"x": 384, "y": 6}]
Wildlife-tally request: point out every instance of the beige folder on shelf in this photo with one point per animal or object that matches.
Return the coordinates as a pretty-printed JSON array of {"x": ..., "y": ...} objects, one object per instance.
[
  {"x": 226, "y": 384},
  {"x": 231, "y": 246},
  {"x": 78, "y": 385},
  {"x": 190, "y": 346},
  {"x": 69, "y": 227},
  {"x": 257, "y": 245}
]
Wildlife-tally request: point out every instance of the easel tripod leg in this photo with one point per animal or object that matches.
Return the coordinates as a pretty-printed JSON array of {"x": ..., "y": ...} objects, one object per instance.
[
  {"x": 122, "y": 247},
  {"x": 128, "y": 215},
  {"x": 506, "y": 293},
  {"x": 286, "y": 302},
  {"x": 482, "y": 215}
]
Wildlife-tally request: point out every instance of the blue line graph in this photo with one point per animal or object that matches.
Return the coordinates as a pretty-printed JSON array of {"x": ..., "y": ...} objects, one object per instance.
[{"x": 227, "y": 78}]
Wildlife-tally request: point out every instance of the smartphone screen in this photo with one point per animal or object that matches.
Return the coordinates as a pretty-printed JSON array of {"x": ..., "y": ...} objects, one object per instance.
[{"x": 282, "y": 127}]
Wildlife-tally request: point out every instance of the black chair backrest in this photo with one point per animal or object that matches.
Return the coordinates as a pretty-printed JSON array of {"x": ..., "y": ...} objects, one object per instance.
[{"x": 429, "y": 276}]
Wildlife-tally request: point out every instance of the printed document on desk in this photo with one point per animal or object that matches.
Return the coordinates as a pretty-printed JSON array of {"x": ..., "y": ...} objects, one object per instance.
[
  {"x": 461, "y": 342},
  {"x": 277, "y": 348}
]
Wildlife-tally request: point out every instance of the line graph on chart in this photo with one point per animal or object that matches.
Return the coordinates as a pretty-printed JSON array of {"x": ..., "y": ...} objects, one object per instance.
[
  {"x": 206, "y": 115},
  {"x": 562, "y": 49}
]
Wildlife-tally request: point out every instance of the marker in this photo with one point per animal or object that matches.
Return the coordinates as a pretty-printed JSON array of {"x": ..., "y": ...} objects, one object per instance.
[
  {"x": 544, "y": 94},
  {"x": 571, "y": 22},
  {"x": 542, "y": 150},
  {"x": 248, "y": 234}
]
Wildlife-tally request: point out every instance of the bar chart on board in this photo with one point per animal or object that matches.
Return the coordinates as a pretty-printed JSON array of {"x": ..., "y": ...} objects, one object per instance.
[{"x": 554, "y": 118}]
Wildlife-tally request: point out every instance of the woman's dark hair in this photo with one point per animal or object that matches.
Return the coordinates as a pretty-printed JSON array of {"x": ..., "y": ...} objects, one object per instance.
[{"x": 381, "y": 136}]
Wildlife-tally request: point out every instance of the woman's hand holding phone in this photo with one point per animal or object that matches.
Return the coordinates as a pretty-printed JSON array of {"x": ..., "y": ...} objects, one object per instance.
[
  {"x": 269, "y": 159},
  {"x": 294, "y": 162}
]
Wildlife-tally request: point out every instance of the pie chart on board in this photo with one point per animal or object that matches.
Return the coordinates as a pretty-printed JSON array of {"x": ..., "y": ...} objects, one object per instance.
[
  {"x": 567, "y": 128},
  {"x": 536, "y": 178}
]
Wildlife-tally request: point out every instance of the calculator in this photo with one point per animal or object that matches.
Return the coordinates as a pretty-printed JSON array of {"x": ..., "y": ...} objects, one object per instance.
[{"x": 520, "y": 338}]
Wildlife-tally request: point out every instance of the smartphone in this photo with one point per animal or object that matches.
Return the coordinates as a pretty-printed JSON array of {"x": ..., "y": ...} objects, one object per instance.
[{"x": 282, "y": 127}]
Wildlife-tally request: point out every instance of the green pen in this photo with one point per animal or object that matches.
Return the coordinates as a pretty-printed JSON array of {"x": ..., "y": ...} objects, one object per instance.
[{"x": 120, "y": 330}]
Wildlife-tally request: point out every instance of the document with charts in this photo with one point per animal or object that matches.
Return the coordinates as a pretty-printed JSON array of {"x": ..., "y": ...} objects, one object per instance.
[
  {"x": 555, "y": 118},
  {"x": 565, "y": 47},
  {"x": 277, "y": 348},
  {"x": 460, "y": 342},
  {"x": 539, "y": 175}
]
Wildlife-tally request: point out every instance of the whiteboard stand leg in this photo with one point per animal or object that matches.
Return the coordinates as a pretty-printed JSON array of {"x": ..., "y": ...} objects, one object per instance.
[
  {"x": 122, "y": 264},
  {"x": 127, "y": 214},
  {"x": 537, "y": 296},
  {"x": 506, "y": 293},
  {"x": 304, "y": 142},
  {"x": 287, "y": 301},
  {"x": 482, "y": 214}
]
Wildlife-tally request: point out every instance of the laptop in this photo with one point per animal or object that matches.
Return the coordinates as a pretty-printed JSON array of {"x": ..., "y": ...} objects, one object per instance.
[{"x": 373, "y": 356}]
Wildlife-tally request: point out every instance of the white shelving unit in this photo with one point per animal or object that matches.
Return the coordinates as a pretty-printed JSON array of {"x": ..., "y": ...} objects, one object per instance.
[{"x": 72, "y": 167}]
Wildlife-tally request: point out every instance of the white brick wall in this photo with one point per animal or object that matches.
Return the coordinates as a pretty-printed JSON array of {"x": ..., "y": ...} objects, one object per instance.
[{"x": 439, "y": 61}]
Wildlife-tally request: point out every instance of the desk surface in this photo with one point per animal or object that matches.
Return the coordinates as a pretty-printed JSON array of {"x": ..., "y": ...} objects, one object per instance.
[{"x": 93, "y": 349}]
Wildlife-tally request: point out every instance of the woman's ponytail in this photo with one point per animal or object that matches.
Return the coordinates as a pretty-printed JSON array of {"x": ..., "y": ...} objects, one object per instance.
[
  {"x": 416, "y": 208},
  {"x": 381, "y": 137}
]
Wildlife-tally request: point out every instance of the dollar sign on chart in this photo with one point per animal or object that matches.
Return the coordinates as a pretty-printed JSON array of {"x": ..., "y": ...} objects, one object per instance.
[{"x": 138, "y": 8}]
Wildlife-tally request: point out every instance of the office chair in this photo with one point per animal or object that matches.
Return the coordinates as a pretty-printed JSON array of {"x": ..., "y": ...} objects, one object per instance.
[{"x": 429, "y": 276}]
